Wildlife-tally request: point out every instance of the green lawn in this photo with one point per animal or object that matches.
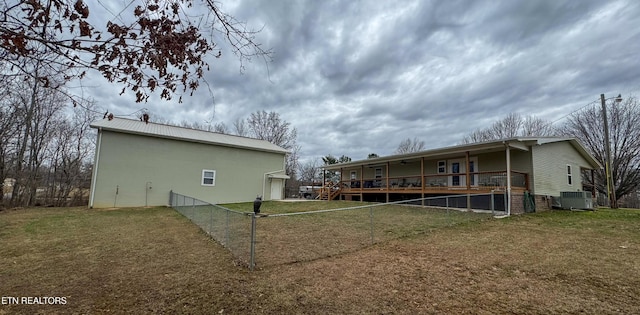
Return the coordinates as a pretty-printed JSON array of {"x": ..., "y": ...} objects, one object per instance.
[{"x": 156, "y": 261}]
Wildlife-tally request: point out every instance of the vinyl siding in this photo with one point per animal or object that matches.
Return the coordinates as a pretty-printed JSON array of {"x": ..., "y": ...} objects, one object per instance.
[
  {"x": 550, "y": 168},
  {"x": 129, "y": 162}
]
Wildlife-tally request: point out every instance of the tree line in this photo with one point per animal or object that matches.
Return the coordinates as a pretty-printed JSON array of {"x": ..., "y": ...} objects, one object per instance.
[{"x": 46, "y": 146}]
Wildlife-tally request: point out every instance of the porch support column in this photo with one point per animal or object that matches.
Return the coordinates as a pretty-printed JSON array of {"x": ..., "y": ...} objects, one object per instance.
[
  {"x": 387, "y": 181},
  {"x": 593, "y": 182},
  {"x": 340, "y": 184},
  {"x": 361, "y": 182},
  {"x": 422, "y": 179},
  {"x": 324, "y": 182},
  {"x": 468, "y": 181},
  {"x": 508, "y": 152}
]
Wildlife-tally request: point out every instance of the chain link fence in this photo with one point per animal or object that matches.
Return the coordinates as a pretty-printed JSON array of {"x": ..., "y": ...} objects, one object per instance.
[
  {"x": 228, "y": 227},
  {"x": 262, "y": 240}
]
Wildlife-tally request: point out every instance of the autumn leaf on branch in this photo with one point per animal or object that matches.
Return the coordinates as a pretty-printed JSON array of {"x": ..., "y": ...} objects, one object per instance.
[{"x": 157, "y": 47}]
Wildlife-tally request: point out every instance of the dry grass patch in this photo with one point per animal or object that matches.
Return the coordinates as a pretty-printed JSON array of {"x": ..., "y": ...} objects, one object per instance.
[
  {"x": 128, "y": 260},
  {"x": 560, "y": 262},
  {"x": 156, "y": 261}
]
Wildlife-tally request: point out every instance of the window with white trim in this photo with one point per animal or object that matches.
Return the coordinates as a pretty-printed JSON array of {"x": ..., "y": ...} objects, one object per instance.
[
  {"x": 569, "y": 175},
  {"x": 354, "y": 174},
  {"x": 442, "y": 167},
  {"x": 208, "y": 178}
]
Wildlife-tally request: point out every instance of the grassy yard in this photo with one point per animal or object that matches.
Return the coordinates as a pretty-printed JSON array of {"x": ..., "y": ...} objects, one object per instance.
[{"x": 156, "y": 261}]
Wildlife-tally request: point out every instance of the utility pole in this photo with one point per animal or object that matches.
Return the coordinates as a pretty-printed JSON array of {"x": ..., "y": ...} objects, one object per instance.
[{"x": 611, "y": 189}]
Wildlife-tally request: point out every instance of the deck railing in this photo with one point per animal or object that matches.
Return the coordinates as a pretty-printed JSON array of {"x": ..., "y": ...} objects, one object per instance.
[{"x": 435, "y": 183}]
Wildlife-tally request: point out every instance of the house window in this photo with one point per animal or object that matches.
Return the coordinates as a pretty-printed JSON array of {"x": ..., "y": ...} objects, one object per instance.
[
  {"x": 353, "y": 175},
  {"x": 208, "y": 178},
  {"x": 569, "y": 176},
  {"x": 442, "y": 167}
]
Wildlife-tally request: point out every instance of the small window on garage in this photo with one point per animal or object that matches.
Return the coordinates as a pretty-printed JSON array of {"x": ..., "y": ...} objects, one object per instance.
[
  {"x": 208, "y": 178},
  {"x": 569, "y": 176}
]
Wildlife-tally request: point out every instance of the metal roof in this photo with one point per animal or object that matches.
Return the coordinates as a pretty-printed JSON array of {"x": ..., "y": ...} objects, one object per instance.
[
  {"x": 150, "y": 129},
  {"x": 521, "y": 143}
]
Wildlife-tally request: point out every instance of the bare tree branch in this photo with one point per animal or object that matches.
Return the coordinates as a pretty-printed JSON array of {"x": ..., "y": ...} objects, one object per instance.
[{"x": 157, "y": 47}]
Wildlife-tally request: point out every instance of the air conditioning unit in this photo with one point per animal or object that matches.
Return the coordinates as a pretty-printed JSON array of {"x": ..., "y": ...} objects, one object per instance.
[{"x": 576, "y": 200}]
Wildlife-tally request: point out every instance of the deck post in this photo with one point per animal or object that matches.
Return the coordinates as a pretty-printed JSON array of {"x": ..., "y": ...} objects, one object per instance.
[
  {"x": 361, "y": 182},
  {"x": 387, "y": 180},
  {"x": 508, "y": 153},
  {"x": 422, "y": 178},
  {"x": 466, "y": 156}
]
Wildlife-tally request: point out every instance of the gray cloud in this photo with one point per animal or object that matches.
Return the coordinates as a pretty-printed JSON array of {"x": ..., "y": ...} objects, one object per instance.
[{"x": 357, "y": 77}]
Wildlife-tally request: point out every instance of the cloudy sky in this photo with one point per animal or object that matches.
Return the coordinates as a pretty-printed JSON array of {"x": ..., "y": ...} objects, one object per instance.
[{"x": 358, "y": 77}]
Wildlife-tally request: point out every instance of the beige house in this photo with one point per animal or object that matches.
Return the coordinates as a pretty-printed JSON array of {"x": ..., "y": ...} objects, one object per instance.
[
  {"x": 138, "y": 164},
  {"x": 543, "y": 167}
]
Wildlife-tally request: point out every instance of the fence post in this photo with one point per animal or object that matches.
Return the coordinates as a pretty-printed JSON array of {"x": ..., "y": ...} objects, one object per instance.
[
  {"x": 252, "y": 253},
  {"x": 447, "y": 207},
  {"x": 371, "y": 222}
]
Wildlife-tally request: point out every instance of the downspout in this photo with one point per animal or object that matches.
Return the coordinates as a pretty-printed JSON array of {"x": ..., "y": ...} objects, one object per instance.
[
  {"x": 264, "y": 180},
  {"x": 508, "y": 152},
  {"x": 95, "y": 169}
]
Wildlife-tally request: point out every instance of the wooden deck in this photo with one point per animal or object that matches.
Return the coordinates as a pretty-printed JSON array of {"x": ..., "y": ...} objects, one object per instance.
[{"x": 441, "y": 184}]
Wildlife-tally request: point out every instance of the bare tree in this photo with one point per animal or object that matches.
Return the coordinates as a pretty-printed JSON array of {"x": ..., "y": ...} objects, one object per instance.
[
  {"x": 587, "y": 126},
  {"x": 534, "y": 126},
  {"x": 240, "y": 127},
  {"x": 69, "y": 172},
  {"x": 43, "y": 150},
  {"x": 409, "y": 146},
  {"x": 513, "y": 125},
  {"x": 309, "y": 172},
  {"x": 270, "y": 127},
  {"x": 148, "y": 45},
  {"x": 221, "y": 128},
  {"x": 35, "y": 111}
]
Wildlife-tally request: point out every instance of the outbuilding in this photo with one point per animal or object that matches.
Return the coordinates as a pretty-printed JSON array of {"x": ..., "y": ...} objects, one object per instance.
[{"x": 139, "y": 163}]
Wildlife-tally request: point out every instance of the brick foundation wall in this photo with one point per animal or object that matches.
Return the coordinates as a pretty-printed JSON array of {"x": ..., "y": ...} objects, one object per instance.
[
  {"x": 517, "y": 203},
  {"x": 542, "y": 203},
  {"x": 517, "y": 206}
]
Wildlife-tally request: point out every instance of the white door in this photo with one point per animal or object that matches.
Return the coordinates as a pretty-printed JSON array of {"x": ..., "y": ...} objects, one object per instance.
[
  {"x": 457, "y": 167},
  {"x": 276, "y": 189}
]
